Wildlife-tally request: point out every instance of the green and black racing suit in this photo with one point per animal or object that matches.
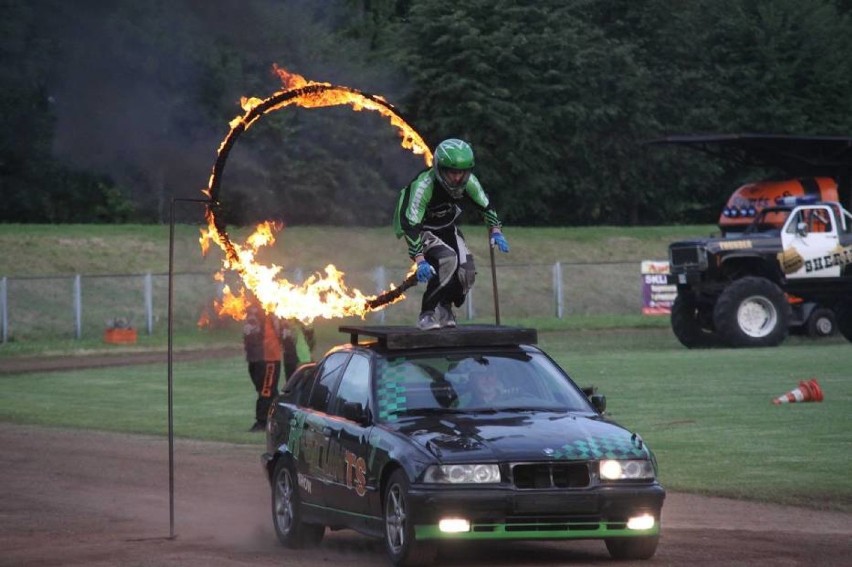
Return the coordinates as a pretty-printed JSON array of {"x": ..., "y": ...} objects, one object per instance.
[{"x": 426, "y": 215}]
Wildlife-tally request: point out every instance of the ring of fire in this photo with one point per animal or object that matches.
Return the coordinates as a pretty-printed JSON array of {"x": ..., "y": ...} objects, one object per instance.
[{"x": 320, "y": 296}]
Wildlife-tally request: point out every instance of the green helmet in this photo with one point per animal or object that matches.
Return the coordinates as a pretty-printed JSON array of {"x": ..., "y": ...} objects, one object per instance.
[{"x": 453, "y": 154}]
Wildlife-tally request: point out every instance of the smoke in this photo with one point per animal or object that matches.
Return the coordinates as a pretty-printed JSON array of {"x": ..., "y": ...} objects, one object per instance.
[{"x": 144, "y": 91}]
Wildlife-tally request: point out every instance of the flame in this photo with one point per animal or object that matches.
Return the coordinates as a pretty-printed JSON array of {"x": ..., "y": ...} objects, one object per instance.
[
  {"x": 323, "y": 295},
  {"x": 330, "y": 95}
]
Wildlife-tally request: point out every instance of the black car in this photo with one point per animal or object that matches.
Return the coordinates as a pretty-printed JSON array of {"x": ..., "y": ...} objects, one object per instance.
[{"x": 394, "y": 436}]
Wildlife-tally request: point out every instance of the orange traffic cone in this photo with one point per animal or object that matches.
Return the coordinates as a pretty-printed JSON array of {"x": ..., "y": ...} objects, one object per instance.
[{"x": 808, "y": 391}]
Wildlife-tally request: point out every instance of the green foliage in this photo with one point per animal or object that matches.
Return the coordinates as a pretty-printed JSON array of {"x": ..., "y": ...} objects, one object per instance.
[{"x": 557, "y": 98}]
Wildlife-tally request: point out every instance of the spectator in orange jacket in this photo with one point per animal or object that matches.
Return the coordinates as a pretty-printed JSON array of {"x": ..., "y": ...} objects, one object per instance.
[{"x": 262, "y": 339}]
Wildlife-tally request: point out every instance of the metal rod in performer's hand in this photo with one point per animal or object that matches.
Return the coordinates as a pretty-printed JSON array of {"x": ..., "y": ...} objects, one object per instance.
[{"x": 494, "y": 279}]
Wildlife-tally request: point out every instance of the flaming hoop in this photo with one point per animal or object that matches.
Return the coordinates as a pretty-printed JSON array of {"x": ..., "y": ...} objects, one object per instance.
[{"x": 319, "y": 296}]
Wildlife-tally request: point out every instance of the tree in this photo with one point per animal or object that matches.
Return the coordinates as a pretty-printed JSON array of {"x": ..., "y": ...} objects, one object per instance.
[{"x": 559, "y": 98}]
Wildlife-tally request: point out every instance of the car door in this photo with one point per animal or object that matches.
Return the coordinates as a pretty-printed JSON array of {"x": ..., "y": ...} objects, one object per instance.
[
  {"x": 317, "y": 468},
  {"x": 812, "y": 234},
  {"x": 349, "y": 448}
]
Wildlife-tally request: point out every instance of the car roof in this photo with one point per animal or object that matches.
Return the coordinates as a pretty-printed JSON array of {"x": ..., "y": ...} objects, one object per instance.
[{"x": 398, "y": 337}]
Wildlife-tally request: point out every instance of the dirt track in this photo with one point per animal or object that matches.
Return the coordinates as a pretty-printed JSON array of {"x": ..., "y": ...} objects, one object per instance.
[{"x": 102, "y": 499}]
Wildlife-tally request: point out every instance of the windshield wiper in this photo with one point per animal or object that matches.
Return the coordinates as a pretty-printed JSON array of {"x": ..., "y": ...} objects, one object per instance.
[
  {"x": 429, "y": 411},
  {"x": 516, "y": 409}
]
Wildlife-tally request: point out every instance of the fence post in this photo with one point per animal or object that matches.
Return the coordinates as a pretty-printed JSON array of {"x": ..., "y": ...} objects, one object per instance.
[
  {"x": 4, "y": 311},
  {"x": 381, "y": 282},
  {"x": 149, "y": 303},
  {"x": 78, "y": 307},
  {"x": 557, "y": 289}
]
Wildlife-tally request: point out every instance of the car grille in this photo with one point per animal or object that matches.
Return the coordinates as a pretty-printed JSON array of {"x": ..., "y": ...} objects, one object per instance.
[
  {"x": 688, "y": 256},
  {"x": 551, "y": 475}
]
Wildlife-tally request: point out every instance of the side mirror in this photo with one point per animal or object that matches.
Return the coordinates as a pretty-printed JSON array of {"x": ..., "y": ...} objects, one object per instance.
[
  {"x": 354, "y": 411},
  {"x": 802, "y": 229},
  {"x": 598, "y": 402}
]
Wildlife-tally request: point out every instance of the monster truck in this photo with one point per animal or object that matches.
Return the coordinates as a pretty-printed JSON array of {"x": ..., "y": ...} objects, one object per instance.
[
  {"x": 820, "y": 168},
  {"x": 733, "y": 291}
]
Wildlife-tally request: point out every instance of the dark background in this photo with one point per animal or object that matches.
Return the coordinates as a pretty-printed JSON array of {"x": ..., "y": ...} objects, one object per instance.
[{"x": 111, "y": 107}]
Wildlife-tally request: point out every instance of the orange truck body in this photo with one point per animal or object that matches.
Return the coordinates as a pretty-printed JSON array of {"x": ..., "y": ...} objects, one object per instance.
[{"x": 748, "y": 200}]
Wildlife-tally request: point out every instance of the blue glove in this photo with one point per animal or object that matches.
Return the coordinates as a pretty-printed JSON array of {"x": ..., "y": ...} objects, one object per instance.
[
  {"x": 424, "y": 271},
  {"x": 498, "y": 240}
]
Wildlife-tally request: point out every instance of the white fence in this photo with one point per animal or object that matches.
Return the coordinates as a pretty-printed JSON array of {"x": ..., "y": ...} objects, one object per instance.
[{"x": 78, "y": 306}]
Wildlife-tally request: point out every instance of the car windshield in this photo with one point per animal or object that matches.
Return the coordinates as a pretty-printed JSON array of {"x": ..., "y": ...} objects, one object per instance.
[{"x": 409, "y": 385}]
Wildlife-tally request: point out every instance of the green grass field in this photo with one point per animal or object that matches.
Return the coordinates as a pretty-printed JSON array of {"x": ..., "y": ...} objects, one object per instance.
[{"x": 707, "y": 414}]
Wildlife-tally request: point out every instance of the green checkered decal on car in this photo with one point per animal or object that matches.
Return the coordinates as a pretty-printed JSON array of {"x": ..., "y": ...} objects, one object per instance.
[
  {"x": 606, "y": 447},
  {"x": 390, "y": 390}
]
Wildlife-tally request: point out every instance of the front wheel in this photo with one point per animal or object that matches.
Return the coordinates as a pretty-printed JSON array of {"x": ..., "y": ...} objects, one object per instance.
[
  {"x": 690, "y": 322},
  {"x": 287, "y": 511},
  {"x": 400, "y": 543},
  {"x": 752, "y": 312},
  {"x": 632, "y": 547}
]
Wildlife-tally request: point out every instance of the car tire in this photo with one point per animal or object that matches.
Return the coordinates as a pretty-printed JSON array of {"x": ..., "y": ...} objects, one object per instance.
[
  {"x": 688, "y": 323},
  {"x": 752, "y": 312},
  {"x": 844, "y": 319},
  {"x": 400, "y": 541},
  {"x": 287, "y": 510},
  {"x": 632, "y": 547},
  {"x": 821, "y": 323}
]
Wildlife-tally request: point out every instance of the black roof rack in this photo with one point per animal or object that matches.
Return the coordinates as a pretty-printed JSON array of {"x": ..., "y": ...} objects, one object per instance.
[{"x": 394, "y": 337}]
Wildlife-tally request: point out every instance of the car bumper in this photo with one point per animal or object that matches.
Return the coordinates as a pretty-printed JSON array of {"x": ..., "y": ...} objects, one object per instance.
[{"x": 594, "y": 513}]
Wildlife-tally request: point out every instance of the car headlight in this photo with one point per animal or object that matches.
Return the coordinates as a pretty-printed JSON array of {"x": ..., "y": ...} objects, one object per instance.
[
  {"x": 462, "y": 474},
  {"x": 612, "y": 469}
]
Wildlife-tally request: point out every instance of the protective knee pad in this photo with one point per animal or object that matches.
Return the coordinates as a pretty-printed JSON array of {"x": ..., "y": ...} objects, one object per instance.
[
  {"x": 467, "y": 274},
  {"x": 447, "y": 264}
]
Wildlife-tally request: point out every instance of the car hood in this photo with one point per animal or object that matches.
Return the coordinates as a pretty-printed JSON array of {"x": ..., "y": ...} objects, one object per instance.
[{"x": 522, "y": 436}]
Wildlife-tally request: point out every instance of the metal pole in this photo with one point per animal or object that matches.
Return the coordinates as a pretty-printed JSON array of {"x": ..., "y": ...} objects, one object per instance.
[
  {"x": 381, "y": 283},
  {"x": 149, "y": 303},
  {"x": 557, "y": 289},
  {"x": 170, "y": 381},
  {"x": 78, "y": 307},
  {"x": 170, "y": 359},
  {"x": 494, "y": 280},
  {"x": 4, "y": 310}
]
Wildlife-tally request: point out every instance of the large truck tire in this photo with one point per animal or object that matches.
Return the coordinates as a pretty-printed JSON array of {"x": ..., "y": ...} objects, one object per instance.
[
  {"x": 688, "y": 324},
  {"x": 752, "y": 312},
  {"x": 844, "y": 319}
]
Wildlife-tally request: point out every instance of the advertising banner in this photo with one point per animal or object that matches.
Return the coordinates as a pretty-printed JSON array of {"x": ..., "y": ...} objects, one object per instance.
[{"x": 657, "y": 293}]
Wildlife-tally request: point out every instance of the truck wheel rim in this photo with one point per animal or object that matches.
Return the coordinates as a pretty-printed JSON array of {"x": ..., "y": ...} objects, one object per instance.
[
  {"x": 824, "y": 326},
  {"x": 757, "y": 316}
]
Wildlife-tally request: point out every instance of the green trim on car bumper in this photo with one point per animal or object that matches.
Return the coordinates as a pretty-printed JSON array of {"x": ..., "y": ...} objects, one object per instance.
[
  {"x": 536, "y": 531},
  {"x": 345, "y": 512}
]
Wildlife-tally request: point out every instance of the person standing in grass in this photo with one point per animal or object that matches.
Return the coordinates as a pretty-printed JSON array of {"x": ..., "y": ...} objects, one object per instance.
[
  {"x": 298, "y": 345},
  {"x": 262, "y": 339}
]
